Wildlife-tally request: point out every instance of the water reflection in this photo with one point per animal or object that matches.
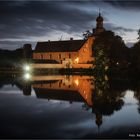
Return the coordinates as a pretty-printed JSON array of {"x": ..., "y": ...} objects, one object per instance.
[
  {"x": 103, "y": 97},
  {"x": 70, "y": 88}
]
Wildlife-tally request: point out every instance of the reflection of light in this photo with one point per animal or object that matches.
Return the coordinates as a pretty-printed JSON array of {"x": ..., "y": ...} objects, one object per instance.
[
  {"x": 106, "y": 78},
  {"x": 27, "y": 76},
  {"x": 76, "y": 82},
  {"x": 117, "y": 63},
  {"x": 77, "y": 60},
  {"x": 27, "y": 68}
]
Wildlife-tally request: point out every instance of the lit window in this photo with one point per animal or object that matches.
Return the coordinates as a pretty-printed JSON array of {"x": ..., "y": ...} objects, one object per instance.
[
  {"x": 77, "y": 60},
  {"x": 76, "y": 82}
]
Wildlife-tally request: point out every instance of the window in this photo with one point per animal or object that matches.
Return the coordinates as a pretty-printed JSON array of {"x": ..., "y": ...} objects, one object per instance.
[
  {"x": 50, "y": 56},
  {"x": 41, "y": 56},
  {"x": 59, "y": 56},
  {"x": 59, "y": 84},
  {"x": 69, "y": 55}
]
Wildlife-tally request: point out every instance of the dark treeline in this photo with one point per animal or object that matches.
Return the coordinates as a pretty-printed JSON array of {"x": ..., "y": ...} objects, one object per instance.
[
  {"x": 112, "y": 54},
  {"x": 10, "y": 58},
  {"x": 15, "y": 58}
]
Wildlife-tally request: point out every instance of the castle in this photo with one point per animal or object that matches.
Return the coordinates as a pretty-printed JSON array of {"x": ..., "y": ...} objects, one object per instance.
[{"x": 69, "y": 53}]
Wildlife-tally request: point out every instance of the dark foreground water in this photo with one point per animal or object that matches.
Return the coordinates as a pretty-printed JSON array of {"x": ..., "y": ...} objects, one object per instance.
[{"x": 68, "y": 107}]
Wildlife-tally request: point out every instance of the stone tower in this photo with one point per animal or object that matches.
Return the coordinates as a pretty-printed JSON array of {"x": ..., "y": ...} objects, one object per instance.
[{"x": 99, "y": 25}]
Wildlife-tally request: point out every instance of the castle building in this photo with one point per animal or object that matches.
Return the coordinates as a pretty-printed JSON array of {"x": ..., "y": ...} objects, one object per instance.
[{"x": 70, "y": 53}]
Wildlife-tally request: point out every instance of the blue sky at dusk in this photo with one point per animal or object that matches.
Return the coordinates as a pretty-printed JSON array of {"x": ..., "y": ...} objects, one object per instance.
[{"x": 31, "y": 21}]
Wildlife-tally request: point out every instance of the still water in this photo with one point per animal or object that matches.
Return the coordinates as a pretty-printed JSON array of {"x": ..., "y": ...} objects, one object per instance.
[{"x": 68, "y": 107}]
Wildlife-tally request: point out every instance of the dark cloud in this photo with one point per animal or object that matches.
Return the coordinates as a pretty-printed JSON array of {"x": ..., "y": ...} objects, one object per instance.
[
  {"x": 124, "y": 29},
  {"x": 119, "y": 29},
  {"x": 124, "y": 4},
  {"x": 40, "y": 18},
  {"x": 26, "y": 20}
]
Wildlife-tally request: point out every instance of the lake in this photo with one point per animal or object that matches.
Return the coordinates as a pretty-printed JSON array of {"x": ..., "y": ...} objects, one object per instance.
[{"x": 68, "y": 106}]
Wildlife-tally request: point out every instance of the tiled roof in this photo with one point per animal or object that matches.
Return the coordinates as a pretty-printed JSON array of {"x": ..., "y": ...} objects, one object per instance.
[
  {"x": 66, "y": 95},
  {"x": 59, "y": 46}
]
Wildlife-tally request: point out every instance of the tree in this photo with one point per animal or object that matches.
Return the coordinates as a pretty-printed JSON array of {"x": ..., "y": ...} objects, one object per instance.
[
  {"x": 135, "y": 58},
  {"x": 86, "y": 34},
  {"x": 139, "y": 35},
  {"x": 109, "y": 51}
]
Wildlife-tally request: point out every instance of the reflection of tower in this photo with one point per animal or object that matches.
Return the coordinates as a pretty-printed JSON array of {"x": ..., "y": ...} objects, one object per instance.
[
  {"x": 98, "y": 120},
  {"x": 27, "y": 89}
]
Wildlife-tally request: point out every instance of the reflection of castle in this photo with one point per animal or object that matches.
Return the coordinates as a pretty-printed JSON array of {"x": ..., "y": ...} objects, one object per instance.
[
  {"x": 67, "y": 88},
  {"x": 70, "y": 53},
  {"x": 73, "y": 88},
  {"x": 79, "y": 89}
]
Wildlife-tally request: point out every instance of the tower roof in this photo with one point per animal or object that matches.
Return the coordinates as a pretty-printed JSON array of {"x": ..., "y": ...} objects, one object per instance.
[{"x": 99, "y": 18}]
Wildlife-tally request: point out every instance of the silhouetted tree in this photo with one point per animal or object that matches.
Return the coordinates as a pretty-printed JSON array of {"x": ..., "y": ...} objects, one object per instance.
[
  {"x": 106, "y": 100},
  {"x": 11, "y": 58},
  {"x": 86, "y": 34},
  {"x": 135, "y": 59},
  {"x": 110, "y": 51}
]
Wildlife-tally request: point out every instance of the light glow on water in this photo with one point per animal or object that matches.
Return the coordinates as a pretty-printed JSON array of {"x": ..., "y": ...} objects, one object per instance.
[
  {"x": 27, "y": 76},
  {"x": 27, "y": 68}
]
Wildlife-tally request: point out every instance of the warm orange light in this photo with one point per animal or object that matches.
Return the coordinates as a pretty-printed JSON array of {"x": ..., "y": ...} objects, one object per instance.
[
  {"x": 76, "y": 82},
  {"x": 77, "y": 60}
]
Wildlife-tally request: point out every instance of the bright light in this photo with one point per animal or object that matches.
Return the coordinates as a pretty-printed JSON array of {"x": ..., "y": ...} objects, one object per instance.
[
  {"x": 27, "y": 76},
  {"x": 77, "y": 60},
  {"x": 76, "y": 82},
  {"x": 27, "y": 68}
]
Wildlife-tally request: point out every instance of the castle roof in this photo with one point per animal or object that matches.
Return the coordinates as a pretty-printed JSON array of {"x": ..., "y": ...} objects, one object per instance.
[
  {"x": 59, "y": 46},
  {"x": 66, "y": 95}
]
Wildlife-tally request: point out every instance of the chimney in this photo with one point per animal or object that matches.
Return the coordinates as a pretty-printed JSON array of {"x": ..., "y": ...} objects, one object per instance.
[{"x": 71, "y": 38}]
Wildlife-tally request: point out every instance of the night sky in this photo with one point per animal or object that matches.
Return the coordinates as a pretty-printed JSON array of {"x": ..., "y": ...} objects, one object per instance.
[{"x": 31, "y": 21}]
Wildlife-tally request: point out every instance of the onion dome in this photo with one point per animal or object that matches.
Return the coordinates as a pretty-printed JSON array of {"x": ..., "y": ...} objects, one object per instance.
[{"x": 99, "y": 18}]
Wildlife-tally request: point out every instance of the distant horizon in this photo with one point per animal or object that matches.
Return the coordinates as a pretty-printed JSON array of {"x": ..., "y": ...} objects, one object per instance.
[{"x": 32, "y": 21}]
